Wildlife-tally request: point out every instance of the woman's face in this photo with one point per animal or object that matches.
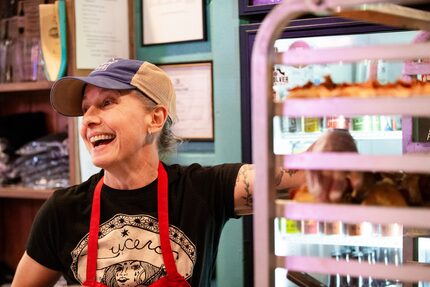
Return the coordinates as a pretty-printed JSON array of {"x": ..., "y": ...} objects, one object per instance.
[{"x": 114, "y": 126}]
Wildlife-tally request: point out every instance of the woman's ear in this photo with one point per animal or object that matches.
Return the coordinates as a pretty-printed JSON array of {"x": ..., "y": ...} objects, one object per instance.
[{"x": 159, "y": 117}]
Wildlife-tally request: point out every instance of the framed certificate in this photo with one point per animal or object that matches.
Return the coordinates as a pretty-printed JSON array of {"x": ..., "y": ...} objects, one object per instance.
[
  {"x": 172, "y": 21},
  {"x": 194, "y": 100},
  {"x": 99, "y": 30}
]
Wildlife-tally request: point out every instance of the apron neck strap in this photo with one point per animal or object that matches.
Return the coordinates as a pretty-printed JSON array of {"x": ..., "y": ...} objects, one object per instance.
[
  {"x": 94, "y": 234},
  {"x": 163, "y": 220}
]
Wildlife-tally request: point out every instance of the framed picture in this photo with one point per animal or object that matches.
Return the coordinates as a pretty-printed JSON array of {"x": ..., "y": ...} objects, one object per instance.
[
  {"x": 194, "y": 99},
  {"x": 99, "y": 30},
  {"x": 165, "y": 22},
  {"x": 252, "y": 7}
]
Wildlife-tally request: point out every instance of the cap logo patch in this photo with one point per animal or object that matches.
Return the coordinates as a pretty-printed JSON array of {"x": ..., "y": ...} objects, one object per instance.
[{"x": 105, "y": 66}]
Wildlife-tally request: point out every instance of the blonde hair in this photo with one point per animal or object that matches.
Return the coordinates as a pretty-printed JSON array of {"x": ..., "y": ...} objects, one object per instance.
[{"x": 167, "y": 142}]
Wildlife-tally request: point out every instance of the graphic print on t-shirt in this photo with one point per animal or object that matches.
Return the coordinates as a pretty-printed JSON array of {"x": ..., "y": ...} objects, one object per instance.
[{"x": 129, "y": 252}]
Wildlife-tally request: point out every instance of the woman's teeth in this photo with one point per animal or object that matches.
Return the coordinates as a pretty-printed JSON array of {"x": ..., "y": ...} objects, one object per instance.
[{"x": 99, "y": 138}]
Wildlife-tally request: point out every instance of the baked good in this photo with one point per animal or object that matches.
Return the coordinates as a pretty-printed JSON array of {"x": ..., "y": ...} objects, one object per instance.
[
  {"x": 303, "y": 195},
  {"x": 384, "y": 193},
  {"x": 372, "y": 88}
]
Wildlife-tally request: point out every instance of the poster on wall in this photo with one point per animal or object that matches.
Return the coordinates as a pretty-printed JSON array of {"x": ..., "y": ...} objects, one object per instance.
[
  {"x": 172, "y": 21},
  {"x": 194, "y": 105},
  {"x": 102, "y": 31}
]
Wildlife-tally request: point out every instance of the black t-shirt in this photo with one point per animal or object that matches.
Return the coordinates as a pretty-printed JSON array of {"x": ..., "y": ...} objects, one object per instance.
[{"x": 129, "y": 253}]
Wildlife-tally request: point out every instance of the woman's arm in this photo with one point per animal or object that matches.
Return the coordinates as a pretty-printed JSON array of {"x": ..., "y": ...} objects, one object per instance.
[
  {"x": 243, "y": 191},
  {"x": 30, "y": 273},
  {"x": 326, "y": 186}
]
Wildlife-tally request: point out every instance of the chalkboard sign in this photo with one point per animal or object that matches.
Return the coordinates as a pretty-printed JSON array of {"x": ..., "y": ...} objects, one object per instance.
[{"x": 421, "y": 128}]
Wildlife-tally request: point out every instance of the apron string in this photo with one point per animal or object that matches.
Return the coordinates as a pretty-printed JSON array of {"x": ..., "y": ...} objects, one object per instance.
[
  {"x": 163, "y": 220},
  {"x": 94, "y": 234}
]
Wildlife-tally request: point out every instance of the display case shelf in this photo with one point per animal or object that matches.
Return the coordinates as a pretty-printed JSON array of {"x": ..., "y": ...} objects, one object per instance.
[{"x": 24, "y": 192}]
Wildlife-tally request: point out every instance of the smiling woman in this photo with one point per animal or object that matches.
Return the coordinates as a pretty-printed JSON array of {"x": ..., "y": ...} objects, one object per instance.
[{"x": 128, "y": 108}]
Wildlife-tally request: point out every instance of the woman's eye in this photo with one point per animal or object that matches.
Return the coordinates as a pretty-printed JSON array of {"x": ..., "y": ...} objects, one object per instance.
[{"x": 107, "y": 102}]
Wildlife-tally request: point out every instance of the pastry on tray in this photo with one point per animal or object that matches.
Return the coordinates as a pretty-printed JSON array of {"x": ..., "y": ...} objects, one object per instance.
[{"x": 329, "y": 89}]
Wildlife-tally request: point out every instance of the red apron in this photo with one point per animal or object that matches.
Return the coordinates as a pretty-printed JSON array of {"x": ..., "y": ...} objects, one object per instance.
[{"x": 173, "y": 278}]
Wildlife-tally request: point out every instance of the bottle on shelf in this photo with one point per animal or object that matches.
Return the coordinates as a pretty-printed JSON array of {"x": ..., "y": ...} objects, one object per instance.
[
  {"x": 357, "y": 256},
  {"x": 5, "y": 52},
  {"x": 391, "y": 123},
  {"x": 363, "y": 123},
  {"x": 345, "y": 280},
  {"x": 28, "y": 59},
  {"x": 339, "y": 122},
  {"x": 335, "y": 279},
  {"x": 19, "y": 53},
  {"x": 3, "y": 38},
  {"x": 311, "y": 124},
  {"x": 291, "y": 124},
  {"x": 369, "y": 258}
]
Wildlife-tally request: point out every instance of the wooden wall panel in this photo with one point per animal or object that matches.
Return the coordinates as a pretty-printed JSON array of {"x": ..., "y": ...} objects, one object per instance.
[{"x": 17, "y": 216}]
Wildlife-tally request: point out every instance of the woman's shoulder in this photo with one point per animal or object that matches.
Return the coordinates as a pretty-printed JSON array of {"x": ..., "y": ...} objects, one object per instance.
[
  {"x": 196, "y": 169},
  {"x": 78, "y": 191}
]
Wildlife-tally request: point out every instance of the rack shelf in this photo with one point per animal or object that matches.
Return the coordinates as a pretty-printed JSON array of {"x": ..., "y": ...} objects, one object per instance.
[
  {"x": 405, "y": 216},
  {"x": 408, "y": 106},
  {"x": 24, "y": 192},
  {"x": 357, "y": 135},
  {"x": 336, "y": 240},
  {"x": 419, "y": 163},
  {"x": 408, "y": 272}
]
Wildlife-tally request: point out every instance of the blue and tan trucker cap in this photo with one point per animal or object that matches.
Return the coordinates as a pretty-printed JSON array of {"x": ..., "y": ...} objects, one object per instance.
[{"x": 116, "y": 74}]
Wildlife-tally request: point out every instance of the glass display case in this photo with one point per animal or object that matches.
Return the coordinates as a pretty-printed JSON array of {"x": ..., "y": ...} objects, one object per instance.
[{"x": 351, "y": 243}]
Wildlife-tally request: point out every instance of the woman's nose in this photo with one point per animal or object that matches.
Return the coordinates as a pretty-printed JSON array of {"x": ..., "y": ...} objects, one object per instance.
[{"x": 91, "y": 117}]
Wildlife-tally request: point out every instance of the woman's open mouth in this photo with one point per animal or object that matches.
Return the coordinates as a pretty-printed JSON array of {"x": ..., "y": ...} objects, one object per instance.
[{"x": 103, "y": 139}]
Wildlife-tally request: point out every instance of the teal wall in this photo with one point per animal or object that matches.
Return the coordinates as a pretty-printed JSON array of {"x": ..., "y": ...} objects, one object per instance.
[{"x": 222, "y": 48}]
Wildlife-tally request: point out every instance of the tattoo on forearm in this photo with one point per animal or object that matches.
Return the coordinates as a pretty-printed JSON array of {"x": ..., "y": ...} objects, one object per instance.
[
  {"x": 292, "y": 172},
  {"x": 278, "y": 178},
  {"x": 244, "y": 178}
]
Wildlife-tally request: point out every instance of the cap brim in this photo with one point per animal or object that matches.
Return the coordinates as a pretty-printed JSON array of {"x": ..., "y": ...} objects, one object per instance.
[{"x": 67, "y": 93}]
